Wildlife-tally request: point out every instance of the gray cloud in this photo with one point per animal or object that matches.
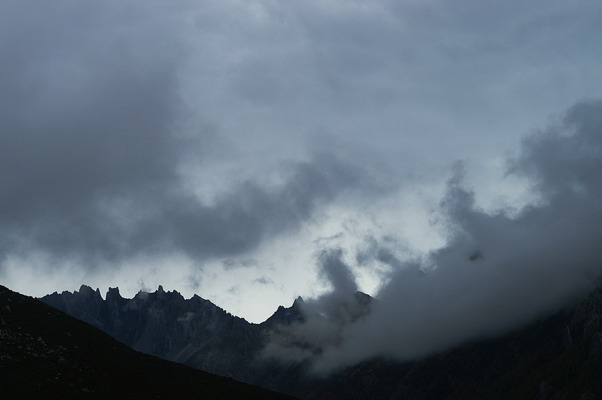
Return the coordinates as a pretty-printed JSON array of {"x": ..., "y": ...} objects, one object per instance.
[
  {"x": 93, "y": 142},
  {"x": 497, "y": 272},
  {"x": 112, "y": 217},
  {"x": 333, "y": 270},
  {"x": 82, "y": 130},
  {"x": 244, "y": 217},
  {"x": 264, "y": 280}
]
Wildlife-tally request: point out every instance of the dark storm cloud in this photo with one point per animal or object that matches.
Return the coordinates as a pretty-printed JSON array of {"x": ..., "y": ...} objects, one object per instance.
[
  {"x": 80, "y": 129},
  {"x": 334, "y": 271},
  {"x": 244, "y": 217},
  {"x": 92, "y": 144},
  {"x": 497, "y": 271},
  {"x": 85, "y": 197}
]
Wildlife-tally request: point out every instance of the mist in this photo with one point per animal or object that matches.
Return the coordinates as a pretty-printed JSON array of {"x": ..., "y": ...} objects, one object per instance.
[{"x": 497, "y": 272}]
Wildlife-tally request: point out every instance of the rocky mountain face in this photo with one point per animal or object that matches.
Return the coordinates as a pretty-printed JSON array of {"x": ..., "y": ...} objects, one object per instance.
[
  {"x": 555, "y": 358},
  {"x": 47, "y": 354},
  {"x": 193, "y": 332}
]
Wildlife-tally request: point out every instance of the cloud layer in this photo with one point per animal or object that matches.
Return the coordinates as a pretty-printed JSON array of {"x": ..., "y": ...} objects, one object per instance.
[
  {"x": 497, "y": 271},
  {"x": 93, "y": 149}
]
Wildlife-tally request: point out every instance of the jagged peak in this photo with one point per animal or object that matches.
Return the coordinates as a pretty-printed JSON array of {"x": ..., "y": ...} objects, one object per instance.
[
  {"x": 84, "y": 289},
  {"x": 113, "y": 293},
  {"x": 141, "y": 295},
  {"x": 363, "y": 297},
  {"x": 288, "y": 314},
  {"x": 88, "y": 292},
  {"x": 173, "y": 294},
  {"x": 197, "y": 298}
]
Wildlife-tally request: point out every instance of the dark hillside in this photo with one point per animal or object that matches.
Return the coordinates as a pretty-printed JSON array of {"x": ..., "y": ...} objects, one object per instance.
[{"x": 47, "y": 354}]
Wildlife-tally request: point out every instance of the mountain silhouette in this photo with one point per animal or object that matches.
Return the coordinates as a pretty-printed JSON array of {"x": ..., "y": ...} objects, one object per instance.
[
  {"x": 558, "y": 357},
  {"x": 47, "y": 354}
]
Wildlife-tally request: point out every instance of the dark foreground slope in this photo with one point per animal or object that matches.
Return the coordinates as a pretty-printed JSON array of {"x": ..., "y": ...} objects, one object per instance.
[{"x": 47, "y": 354}]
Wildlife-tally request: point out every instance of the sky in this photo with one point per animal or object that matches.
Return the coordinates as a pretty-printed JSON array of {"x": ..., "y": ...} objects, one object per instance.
[{"x": 254, "y": 151}]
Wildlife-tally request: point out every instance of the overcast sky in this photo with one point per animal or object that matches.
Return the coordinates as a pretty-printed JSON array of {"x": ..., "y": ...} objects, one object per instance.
[{"x": 219, "y": 147}]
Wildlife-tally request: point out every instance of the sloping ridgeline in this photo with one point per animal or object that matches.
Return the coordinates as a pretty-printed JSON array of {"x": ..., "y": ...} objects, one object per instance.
[{"x": 46, "y": 354}]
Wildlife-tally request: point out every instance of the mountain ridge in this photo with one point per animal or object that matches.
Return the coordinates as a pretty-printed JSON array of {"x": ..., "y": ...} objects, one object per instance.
[
  {"x": 47, "y": 354},
  {"x": 519, "y": 364},
  {"x": 192, "y": 331}
]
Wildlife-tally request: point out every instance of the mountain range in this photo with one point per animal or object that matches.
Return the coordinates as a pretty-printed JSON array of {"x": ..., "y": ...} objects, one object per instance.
[
  {"x": 47, "y": 354},
  {"x": 197, "y": 333},
  {"x": 558, "y": 357}
]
